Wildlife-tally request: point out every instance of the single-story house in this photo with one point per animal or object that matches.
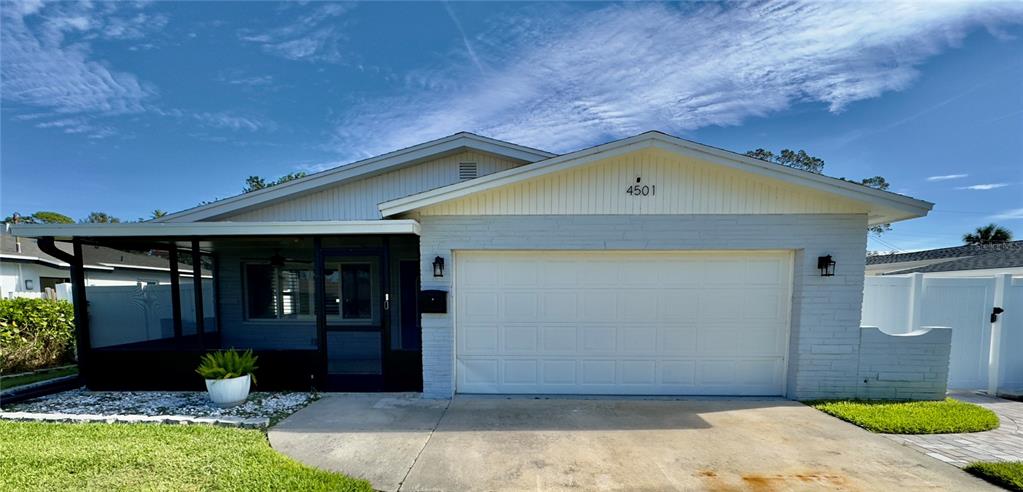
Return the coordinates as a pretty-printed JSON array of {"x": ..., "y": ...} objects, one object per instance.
[
  {"x": 649, "y": 265},
  {"x": 971, "y": 260},
  {"x": 26, "y": 270}
]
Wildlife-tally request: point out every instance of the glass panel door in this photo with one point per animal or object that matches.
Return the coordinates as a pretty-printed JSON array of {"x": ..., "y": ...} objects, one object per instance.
[{"x": 353, "y": 310}]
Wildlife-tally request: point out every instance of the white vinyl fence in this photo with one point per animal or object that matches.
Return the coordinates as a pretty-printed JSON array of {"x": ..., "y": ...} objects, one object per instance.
[
  {"x": 121, "y": 314},
  {"x": 985, "y": 355}
]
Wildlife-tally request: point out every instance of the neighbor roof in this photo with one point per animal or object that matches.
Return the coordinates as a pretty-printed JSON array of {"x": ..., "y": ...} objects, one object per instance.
[
  {"x": 968, "y": 257},
  {"x": 885, "y": 206},
  {"x": 26, "y": 249},
  {"x": 358, "y": 170}
]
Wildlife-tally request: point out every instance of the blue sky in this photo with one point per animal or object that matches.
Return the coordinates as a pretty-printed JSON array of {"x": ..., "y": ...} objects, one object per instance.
[{"x": 125, "y": 107}]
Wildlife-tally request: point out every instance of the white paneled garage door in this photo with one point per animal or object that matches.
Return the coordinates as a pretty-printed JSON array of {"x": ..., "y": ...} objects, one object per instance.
[{"x": 581, "y": 322}]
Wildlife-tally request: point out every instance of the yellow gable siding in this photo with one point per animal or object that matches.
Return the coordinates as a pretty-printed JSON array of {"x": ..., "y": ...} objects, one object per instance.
[
  {"x": 357, "y": 200},
  {"x": 680, "y": 185}
]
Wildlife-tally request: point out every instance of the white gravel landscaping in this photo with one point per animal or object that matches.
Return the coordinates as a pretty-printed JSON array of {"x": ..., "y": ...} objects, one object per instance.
[{"x": 178, "y": 407}]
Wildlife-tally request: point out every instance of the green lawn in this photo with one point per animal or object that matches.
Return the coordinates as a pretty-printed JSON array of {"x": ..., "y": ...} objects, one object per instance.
[
  {"x": 1007, "y": 475},
  {"x": 51, "y": 456},
  {"x": 7, "y": 382},
  {"x": 916, "y": 417}
]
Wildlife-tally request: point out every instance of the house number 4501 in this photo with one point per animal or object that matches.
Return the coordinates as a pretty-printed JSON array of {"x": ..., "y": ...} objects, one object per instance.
[{"x": 639, "y": 189}]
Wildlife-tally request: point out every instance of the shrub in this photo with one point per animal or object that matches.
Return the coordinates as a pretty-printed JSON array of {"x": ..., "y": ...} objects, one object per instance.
[
  {"x": 35, "y": 333},
  {"x": 227, "y": 364}
]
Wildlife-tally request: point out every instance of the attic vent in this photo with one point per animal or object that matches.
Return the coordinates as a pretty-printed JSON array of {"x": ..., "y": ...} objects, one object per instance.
[{"x": 467, "y": 170}]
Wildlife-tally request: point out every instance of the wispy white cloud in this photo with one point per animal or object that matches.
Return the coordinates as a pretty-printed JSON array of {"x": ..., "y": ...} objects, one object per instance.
[
  {"x": 78, "y": 125},
  {"x": 234, "y": 121},
  {"x": 946, "y": 177},
  {"x": 470, "y": 51},
  {"x": 983, "y": 187},
  {"x": 252, "y": 81},
  {"x": 565, "y": 79},
  {"x": 51, "y": 74},
  {"x": 49, "y": 65},
  {"x": 315, "y": 36},
  {"x": 1013, "y": 214}
]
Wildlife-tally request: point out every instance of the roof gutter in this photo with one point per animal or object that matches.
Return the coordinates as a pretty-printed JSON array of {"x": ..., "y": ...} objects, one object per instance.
[{"x": 47, "y": 246}]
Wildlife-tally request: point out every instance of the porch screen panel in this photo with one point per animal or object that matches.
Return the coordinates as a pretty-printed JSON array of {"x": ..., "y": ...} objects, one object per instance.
[{"x": 130, "y": 305}]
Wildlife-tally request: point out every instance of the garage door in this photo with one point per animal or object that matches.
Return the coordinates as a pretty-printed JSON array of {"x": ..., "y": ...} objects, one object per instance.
[{"x": 645, "y": 323}]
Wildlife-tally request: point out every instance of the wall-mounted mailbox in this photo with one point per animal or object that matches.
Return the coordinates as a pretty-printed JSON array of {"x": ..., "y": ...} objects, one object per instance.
[{"x": 433, "y": 301}]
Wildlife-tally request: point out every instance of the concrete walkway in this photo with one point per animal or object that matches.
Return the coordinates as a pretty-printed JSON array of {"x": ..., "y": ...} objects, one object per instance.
[
  {"x": 478, "y": 443},
  {"x": 1002, "y": 444}
]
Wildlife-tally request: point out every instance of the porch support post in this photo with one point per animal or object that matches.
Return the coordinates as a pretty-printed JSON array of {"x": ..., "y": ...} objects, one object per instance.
[
  {"x": 216, "y": 296},
  {"x": 200, "y": 329},
  {"x": 319, "y": 303},
  {"x": 76, "y": 263},
  {"x": 83, "y": 344},
  {"x": 175, "y": 290}
]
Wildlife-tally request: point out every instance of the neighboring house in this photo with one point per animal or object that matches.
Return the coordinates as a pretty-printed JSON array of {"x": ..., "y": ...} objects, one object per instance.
[
  {"x": 648, "y": 265},
  {"x": 971, "y": 260},
  {"x": 27, "y": 270}
]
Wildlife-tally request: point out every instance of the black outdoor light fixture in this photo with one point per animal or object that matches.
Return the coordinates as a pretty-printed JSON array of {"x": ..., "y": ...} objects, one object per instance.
[
  {"x": 438, "y": 267},
  {"x": 826, "y": 265}
]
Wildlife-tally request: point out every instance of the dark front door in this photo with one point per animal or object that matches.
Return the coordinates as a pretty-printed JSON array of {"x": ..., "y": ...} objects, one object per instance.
[{"x": 354, "y": 318}]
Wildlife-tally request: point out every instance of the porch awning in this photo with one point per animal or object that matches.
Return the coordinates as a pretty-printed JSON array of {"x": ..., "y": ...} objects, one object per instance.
[{"x": 211, "y": 229}]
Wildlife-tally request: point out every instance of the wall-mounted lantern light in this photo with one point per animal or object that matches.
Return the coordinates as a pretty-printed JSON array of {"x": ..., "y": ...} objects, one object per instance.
[
  {"x": 826, "y": 265},
  {"x": 438, "y": 267},
  {"x": 29, "y": 284}
]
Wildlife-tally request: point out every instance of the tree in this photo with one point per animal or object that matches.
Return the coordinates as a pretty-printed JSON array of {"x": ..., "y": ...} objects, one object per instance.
[
  {"x": 158, "y": 213},
  {"x": 806, "y": 162},
  {"x": 100, "y": 218},
  {"x": 44, "y": 217},
  {"x": 253, "y": 183},
  {"x": 798, "y": 160},
  {"x": 877, "y": 182},
  {"x": 41, "y": 217},
  {"x": 989, "y": 234}
]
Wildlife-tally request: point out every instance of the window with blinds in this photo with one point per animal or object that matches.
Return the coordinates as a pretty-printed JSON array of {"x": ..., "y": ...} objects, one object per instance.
[
  {"x": 467, "y": 170},
  {"x": 279, "y": 292}
]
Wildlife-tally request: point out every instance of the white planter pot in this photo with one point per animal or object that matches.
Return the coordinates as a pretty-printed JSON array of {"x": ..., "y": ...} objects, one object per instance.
[{"x": 229, "y": 392}]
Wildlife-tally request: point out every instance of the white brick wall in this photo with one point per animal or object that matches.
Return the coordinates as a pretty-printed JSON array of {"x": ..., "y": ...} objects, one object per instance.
[
  {"x": 904, "y": 367},
  {"x": 825, "y": 337}
]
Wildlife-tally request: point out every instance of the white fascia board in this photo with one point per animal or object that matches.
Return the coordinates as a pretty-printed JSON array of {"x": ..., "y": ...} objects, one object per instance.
[
  {"x": 99, "y": 267},
  {"x": 34, "y": 259},
  {"x": 890, "y": 207},
  {"x": 211, "y": 229},
  {"x": 52, "y": 263},
  {"x": 358, "y": 169},
  {"x": 150, "y": 268}
]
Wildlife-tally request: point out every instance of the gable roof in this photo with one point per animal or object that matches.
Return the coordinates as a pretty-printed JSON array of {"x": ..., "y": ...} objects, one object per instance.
[
  {"x": 1008, "y": 258},
  {"x": 357, "y": 170},
  {"x": 884, "y": 206},
  {"x": 957, "y": 258},
  {"x": 954, "y": 252}
]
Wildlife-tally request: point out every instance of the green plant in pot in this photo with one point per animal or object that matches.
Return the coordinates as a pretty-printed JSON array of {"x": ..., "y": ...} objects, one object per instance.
[{"x": 229, "y": 374}]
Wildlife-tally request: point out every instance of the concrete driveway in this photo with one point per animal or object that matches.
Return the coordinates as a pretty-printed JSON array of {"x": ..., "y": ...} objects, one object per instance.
[{"x": 480, "y": 443}]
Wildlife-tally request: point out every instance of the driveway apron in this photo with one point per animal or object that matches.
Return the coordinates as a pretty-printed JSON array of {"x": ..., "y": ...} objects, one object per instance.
[{"x": 518, "y": 443}]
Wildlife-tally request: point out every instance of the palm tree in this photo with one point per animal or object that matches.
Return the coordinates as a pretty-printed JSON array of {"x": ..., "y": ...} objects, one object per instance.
[{"x": 989, "y": 234}]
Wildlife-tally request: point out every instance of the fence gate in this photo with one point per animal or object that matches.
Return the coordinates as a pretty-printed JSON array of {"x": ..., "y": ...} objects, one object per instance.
[{"x": 985, "y": 355}]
